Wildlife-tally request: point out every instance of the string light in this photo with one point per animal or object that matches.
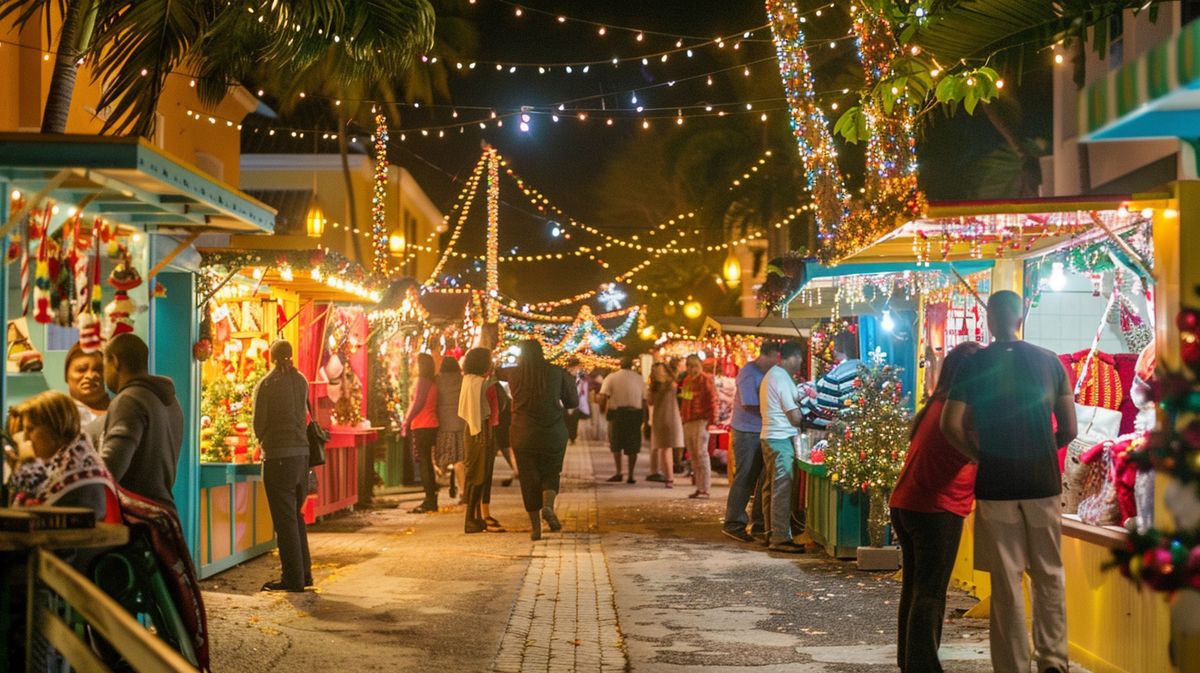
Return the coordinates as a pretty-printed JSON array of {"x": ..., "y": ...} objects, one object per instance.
[{"x": 379, "y": 233}]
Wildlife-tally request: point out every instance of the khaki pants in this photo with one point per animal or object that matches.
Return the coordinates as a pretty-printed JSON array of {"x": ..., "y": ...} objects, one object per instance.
[
  {"x": 1014, "y": 537},
  {"x": 695, "y": 437}
]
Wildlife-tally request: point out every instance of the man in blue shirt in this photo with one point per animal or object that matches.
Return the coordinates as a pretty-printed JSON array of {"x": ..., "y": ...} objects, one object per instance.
[{"x": 747, "y": 456}]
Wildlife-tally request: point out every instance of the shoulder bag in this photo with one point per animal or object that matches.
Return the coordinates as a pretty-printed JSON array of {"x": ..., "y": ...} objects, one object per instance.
[{"x": 318, "y": 437}]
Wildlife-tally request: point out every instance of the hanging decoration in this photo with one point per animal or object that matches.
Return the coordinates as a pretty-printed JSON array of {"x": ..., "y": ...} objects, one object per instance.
[
  {"x": 379, "y": 233},
  {"x": 611, "y": 296}
]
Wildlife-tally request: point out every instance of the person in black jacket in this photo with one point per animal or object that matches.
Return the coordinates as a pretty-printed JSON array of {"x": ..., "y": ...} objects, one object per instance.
[
  {"x": 541, "y": 392},
  {"x": 280, "y": 422}
]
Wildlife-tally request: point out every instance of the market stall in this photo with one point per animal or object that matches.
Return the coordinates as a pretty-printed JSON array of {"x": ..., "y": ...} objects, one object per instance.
[
  {"x": 1091, "y": 275},
  {"x": 98, "y": 233},
  {"x": 313, "y": 299}
]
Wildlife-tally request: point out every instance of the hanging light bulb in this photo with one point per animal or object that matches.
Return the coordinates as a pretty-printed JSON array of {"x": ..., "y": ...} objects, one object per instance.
[
  {"x": 887, "y": 323},
  {"x": 1058, "y": 279},
  {"x": 693, "y": 309}
]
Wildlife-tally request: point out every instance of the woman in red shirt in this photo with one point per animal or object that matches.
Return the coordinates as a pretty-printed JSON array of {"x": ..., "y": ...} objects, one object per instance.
[
  {"x": 421, "y": 425},
  {"x": 933, "y": 495}
]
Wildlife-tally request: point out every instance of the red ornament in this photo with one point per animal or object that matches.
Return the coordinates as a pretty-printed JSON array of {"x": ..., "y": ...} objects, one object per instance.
[
  {"x": 1188, "y": 320},
  {"x": 202, "y": 350}
]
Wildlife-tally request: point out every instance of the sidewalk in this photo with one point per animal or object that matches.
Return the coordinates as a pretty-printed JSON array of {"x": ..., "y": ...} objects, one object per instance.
[{"x": 640, "y": 579}]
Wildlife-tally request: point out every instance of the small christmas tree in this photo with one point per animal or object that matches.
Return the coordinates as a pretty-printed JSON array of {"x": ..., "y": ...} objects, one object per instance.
[{"x": 868, "y": 440}]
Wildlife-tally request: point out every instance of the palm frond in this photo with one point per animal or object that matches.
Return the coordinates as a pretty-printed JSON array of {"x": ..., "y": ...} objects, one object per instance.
[
  {"x": 135, "y": 46},
  {"x": 974, "y": 30}
]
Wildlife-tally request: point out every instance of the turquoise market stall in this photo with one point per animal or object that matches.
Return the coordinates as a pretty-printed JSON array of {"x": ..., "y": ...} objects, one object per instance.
[{"x": 92, "y": 207}]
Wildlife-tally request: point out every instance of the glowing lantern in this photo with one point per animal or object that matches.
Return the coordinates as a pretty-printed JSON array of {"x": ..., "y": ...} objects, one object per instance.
[
  {"x": 693, "y": 309},
  {"x": 732, "y": 270},
  {"x": 647, "y": 333},
  {"x": 315, "y": 220},
  {"x": 396, "y": 244}
]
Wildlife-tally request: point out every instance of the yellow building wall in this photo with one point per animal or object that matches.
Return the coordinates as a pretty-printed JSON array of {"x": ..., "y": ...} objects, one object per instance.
[
  {"x": 323, "y": 174},
  {"x": 25, "y": 73}
]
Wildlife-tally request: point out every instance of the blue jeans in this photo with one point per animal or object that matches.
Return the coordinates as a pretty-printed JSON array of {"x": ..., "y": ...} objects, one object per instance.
[
  {"x": 779, "y": 480},
  {"x": 746, "y": 482}
]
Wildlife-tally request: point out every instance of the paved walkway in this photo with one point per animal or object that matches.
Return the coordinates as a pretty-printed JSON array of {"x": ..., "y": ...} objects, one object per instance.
[
  {"x": 640, "y": 579},
  {"x": 565, "y": 618}
]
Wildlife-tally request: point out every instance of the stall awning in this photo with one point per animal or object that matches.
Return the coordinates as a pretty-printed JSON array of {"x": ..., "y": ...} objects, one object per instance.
[
  {"x": 1156, "y": 95},
  {"x": 770, "y": 326},
  {"x": 814, "y": 271},
  {"x": 968, "y": 231},
  {"x": 127, "y": 180}
]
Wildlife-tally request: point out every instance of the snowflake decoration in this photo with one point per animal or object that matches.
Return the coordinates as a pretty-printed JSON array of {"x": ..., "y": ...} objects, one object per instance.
[
  {"x": 878, "y": 357},
  {"x": 611, "y": 296}
]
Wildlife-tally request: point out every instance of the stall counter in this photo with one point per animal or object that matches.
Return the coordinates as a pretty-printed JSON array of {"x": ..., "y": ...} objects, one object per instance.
[{"x": 235, "y": 521}]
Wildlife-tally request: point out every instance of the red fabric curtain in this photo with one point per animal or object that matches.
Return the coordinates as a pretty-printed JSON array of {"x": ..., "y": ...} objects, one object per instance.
[{"x": 312, "y": 337}]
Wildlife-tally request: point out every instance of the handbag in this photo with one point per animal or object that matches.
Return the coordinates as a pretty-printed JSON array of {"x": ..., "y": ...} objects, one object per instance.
[
  {"x": 318, "y": 437},
  {"x": 1099, "y": 507}
]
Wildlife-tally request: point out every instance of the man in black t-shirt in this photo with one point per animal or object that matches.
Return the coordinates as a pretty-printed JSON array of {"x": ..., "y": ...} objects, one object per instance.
[{"x": 1001, "y": 413}]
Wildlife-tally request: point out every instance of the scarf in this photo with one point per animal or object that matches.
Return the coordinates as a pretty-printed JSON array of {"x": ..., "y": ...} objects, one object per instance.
[
  {"x": 41, "y": 482},
  {"x": 471, "y": 406}
]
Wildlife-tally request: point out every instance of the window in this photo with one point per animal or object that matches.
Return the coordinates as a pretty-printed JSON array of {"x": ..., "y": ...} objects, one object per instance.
[{"x": 1116, "y": 40}]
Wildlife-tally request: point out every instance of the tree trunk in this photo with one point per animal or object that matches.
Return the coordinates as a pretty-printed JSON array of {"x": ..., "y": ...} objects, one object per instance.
[
  {"x": 351, "y": 206},
  {"x": 73, "y": 36}
]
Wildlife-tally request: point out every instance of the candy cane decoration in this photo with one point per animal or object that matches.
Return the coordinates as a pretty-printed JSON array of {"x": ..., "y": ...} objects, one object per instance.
[
  {"x": 1087, "y": 363},
  {"x": 26, "y": 235},
  {"x": 41, "y": 280}
]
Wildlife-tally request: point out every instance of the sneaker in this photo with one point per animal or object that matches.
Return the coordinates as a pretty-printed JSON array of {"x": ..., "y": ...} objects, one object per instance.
[
  {"x": 631, "y": 480},
  {"x": 699, "y": 495},
  {"x": 656, "y": 477},
  {"x": 787, "y": 547},
  {"x": 738, "y": 534},
  {"x": 278, "y": 585},
  {"x": 551, "y": 519},
  {"x": 617, "y": 478},
  {"x": 424, "y": 508},
  {"x": 476, "y": 526}
]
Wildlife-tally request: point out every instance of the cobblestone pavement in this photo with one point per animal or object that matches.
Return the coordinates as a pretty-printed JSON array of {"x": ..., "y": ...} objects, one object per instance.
[{"x": 640, "y": 579}]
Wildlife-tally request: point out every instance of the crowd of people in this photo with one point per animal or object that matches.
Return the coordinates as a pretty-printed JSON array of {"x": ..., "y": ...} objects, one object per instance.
[{"x": 986, "y": 440}]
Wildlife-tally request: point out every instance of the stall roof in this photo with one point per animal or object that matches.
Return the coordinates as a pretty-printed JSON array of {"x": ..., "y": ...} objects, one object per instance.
[
  {"x": 1044, "y": 224},
  {"x": 771, "y": 326},
  {"x": 127, "y": 180},
  {"x": 1157, "y": 95}
]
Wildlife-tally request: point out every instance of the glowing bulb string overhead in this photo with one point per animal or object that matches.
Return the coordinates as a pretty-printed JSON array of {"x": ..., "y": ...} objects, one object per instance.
[{"x": 379, "y": 232}]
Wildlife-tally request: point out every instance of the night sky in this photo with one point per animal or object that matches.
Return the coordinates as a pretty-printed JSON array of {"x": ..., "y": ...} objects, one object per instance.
[{"x": 572, "y": 162}]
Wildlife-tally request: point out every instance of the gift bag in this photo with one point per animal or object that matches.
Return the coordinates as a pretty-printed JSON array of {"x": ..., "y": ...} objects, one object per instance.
[{"x": 1100, "y": 507}]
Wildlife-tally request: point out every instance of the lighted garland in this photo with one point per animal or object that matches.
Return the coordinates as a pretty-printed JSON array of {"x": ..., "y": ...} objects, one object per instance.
[
  {"x": 493, "y": 233},
  {"x": 809, "y": 126},
  {"x": 317, "y": 263},
  {"x": 379, "y": 234}
]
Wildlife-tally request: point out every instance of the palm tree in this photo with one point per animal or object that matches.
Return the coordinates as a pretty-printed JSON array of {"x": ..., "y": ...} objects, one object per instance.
[{"x": 136, "y": 44}]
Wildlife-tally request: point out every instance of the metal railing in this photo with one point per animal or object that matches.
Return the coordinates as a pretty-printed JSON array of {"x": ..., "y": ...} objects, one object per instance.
[{"x": 141, "y": 649}]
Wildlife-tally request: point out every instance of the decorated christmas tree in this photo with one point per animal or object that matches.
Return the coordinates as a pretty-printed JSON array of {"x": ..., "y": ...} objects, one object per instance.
[
  {"x": 869, "y": 439},
  {"x": 1168, "y": 559}
]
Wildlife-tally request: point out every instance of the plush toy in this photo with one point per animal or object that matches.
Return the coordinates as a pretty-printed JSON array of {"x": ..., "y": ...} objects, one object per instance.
[{"x": 118, "y": 314}]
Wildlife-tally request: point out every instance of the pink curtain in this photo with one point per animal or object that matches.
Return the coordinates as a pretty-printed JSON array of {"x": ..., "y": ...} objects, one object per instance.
[{"x": 312, "y": 337}]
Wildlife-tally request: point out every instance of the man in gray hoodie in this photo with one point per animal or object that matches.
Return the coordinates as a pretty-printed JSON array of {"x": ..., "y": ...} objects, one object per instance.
[{"x": 143, "y": 430}]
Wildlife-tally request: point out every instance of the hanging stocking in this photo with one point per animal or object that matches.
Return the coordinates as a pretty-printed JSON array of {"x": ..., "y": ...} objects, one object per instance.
[
  {"x": 89, "y": 332},
  {"x": 41, "y": 275}
]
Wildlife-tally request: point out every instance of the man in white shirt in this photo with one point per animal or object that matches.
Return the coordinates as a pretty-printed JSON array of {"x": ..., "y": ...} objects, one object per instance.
[
  {"x": 781, "y": 416},
  {"x": 622, "y": 401}
]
